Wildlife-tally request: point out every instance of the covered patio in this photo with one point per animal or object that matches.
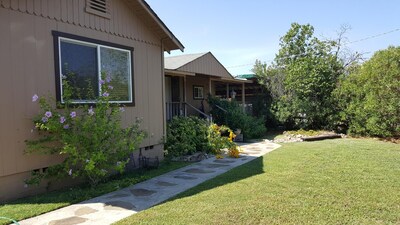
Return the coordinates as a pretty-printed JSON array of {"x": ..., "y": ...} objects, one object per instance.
[{"x": 189, "y": 79}]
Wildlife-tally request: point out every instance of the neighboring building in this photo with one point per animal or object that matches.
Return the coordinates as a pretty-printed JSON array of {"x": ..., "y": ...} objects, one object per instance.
[
  {"x": 37, "y": 40},
  {"x": 190, "y": 78}
]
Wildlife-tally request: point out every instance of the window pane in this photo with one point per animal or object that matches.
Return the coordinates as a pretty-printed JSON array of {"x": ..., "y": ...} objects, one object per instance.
[
  {"x": 79, "y": 66},
  {"x": 116, "y": 64}
]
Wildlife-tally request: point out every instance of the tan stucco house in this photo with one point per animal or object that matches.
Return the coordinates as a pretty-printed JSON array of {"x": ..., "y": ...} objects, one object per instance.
[
  {"x": 190, "y": 78},
  {"x": 37, "y": 38}
]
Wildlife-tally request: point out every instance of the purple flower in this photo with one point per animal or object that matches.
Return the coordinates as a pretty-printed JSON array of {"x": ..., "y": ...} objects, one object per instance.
[
  {"x": 106, "y": 94},
  {"x": 35, "y": 97},
  {"x": 66, "y": 126},
  {"x": 45, "y": 119},
  {"x": 62, "y": 119},
  {"x": 73, "y": 114},
  {"x": 108, "y": 79},
  {"x": 70, "y": 172},
  {"x": 90, "y": 111},
  {"x": 101, "y": 82},
  {"x": 110, "y": 87},
  {"x": 48, "y": 114}
]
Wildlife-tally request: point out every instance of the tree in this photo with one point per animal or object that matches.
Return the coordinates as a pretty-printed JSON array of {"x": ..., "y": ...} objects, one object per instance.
[
  {"x": 302, "y": 78},
  {"x": 370, "y": 96}
]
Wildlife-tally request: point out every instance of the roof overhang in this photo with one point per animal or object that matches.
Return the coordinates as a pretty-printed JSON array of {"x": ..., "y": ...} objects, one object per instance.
[
  {"x": 227, "y": 80},
  {"x": 157, "y": 25},
  {"x": 178, "y": 73}
]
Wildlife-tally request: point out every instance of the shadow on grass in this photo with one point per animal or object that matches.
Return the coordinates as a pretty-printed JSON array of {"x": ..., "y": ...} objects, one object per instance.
[
  {"x": 35, "y": 205},
  {"x": 252, "y": 168}
]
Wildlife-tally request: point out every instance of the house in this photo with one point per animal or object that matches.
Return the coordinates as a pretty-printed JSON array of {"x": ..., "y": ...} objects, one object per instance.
[
  {"x": 190, "y": 78},
  {"x": 42, "y": 40}
]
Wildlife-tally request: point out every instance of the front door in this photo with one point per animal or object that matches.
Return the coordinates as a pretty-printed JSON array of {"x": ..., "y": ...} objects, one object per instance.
[{"x": 175, "y": 89}]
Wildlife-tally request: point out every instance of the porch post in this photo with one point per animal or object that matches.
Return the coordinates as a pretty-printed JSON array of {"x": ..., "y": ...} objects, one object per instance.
[
  {"x": 243, "y": 98},
  {"x": 227, "y": 90},
  {"x": 184, "y": 96},
  {"x": 209, "y": 86}
]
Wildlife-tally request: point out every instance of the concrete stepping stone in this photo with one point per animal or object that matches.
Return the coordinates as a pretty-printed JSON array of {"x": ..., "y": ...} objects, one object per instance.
[
  {"x": 165, "y": 184},
  {"x": 216, "y": 165},
  {"x": 68, "y": 221},
  {"x": 140, "y": 192},
  {"x": 118, "y": 205},
  {"x": 84, "y": 211},
  {"x": 111, "y": 207},
  {"x": 121, "y": 195},
  {"x": 185, "y": 177},
  {"x": 224, "y": 161},
  {"x": 201, "y": 171}
]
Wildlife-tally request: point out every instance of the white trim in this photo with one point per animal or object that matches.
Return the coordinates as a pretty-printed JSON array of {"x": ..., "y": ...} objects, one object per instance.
[
  {"x": 198, "y": 92},
  {"x": 98, "y": 69},
  {"x": 97, "y": 46}
]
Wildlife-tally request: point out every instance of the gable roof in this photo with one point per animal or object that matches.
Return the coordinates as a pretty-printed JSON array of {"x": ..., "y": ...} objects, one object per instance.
[
  {"x": 157, "y": 26},
  {"x": 176, "y": 62},
  {"x": 201, "y": 63}
]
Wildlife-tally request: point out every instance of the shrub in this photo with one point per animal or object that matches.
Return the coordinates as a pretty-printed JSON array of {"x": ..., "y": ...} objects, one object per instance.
[
  {"x": 370, "y": 96},
  {"x": 187, "y": 135},
  {"x": 235, "y": 118},
  {"x": 91, "y": 138}
]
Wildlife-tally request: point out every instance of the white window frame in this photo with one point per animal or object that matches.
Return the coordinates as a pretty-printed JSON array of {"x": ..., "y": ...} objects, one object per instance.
[
  {"x": 98, "y": 46},
  {"x": 200, "y": 90}
]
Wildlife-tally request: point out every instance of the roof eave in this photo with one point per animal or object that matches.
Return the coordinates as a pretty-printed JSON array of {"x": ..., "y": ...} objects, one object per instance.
[{"x": 173, "y": 42}]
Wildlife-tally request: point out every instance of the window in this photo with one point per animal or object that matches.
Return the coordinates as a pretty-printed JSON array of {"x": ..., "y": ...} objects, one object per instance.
[
  {"x": 198, "y": 92},
  {"x": 84, "y": 63}
]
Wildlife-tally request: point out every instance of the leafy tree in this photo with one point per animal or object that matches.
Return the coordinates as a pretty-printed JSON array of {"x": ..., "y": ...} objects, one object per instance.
[
  {"x": 370, "y": 96},
  {"x": 302, "y": 78}
]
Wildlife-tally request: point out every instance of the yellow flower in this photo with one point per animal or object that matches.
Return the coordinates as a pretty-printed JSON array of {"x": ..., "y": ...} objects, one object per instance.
[
  {"x": 231, "y": 136},
  {"x": 219, "y": 156},
  {"x": 234, "y": 152}
]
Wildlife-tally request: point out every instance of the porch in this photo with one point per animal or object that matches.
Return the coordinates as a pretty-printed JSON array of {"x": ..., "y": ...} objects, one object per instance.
[{"x": 187, "y": 95}]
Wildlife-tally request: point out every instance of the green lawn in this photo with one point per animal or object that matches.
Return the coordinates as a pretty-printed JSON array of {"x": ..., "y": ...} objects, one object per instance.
[
  {"x": 33, "y": 206},
  {"x": 342, "y": 181}
]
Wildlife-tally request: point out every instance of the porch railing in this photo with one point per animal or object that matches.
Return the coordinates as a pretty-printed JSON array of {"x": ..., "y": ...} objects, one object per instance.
[
  {"x": 175, "y": 109},
  {"x": 180, "y": 109}
]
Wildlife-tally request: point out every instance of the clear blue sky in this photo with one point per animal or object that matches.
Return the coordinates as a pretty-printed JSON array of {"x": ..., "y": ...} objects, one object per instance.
[{"x": 238, "y": 32}]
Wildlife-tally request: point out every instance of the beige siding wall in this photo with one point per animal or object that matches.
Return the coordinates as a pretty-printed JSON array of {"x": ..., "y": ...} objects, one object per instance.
[
  {"x": 27, "y": 68},
  {"x": 206, "y": 64},
  {"x": 73, "y": 12},
  {"x": 197, "y": 80}
]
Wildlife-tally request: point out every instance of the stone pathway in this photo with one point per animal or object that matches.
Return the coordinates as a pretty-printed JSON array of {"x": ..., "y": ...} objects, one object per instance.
[{"x": 114, "y": 206}]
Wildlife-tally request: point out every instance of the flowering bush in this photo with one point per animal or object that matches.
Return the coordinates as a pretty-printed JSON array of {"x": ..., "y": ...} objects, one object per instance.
[
  {"x": 220, "y": 137},
  {"x": 186, "y": 135},
  {"x": 91, "y": 137},
  {"x": 234, "y": 152}
]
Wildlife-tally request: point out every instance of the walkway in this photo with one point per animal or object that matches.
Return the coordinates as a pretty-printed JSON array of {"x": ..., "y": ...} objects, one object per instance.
[{"x": 114, "y": 206}]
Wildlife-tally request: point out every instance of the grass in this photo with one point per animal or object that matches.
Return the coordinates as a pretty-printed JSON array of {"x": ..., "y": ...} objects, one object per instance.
[
  {"x": 36, "y": 205},
  {"x": 341, "y": 181}
]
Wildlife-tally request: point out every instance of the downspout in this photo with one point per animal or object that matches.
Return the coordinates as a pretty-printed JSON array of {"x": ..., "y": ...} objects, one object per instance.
[{"x": 163, "y": 90}]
